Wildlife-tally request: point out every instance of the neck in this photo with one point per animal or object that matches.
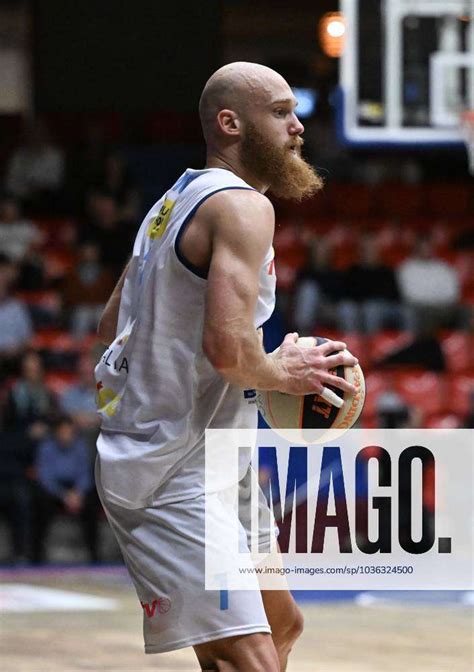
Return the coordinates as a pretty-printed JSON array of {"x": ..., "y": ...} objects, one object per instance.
[{"x": 216, "y": 159}]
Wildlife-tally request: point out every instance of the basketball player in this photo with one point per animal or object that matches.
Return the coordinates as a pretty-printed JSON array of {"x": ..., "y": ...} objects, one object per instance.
[{"x": 182, "y": 330}]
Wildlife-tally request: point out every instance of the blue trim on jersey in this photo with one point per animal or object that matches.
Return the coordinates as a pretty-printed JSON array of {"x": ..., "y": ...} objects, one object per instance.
[
  {"x": 224, "y": 600},
  {"x": 194, "y": 269},
  {"x": 184, "y": 180}
]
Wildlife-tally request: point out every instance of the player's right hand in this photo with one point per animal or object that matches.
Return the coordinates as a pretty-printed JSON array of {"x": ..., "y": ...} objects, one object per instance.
[{"x": 307, "y": 370}]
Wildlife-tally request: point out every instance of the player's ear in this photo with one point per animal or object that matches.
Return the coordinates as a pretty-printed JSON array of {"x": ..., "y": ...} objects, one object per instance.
[{"x": 229, "y": 122}]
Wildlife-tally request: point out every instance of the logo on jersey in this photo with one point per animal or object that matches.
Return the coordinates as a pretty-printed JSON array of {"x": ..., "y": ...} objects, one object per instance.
[
  {"x": 106, "y": 399},
  {"x": 162, "y": 605},
  {"x": 158, "y": 224},
  {"x": 107, "y": 357}
]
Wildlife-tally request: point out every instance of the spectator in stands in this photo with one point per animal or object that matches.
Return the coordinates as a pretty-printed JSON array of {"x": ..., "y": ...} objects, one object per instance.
[
  {"x": 28, "y": 408},
  {"x": 117, "y": 181},
  {"x": 78, "y": 401},
  {"x": 63, "y": 483},
  {"x": 423, "y": 351},
  {"x": 17, "y": 235},
  {"x": 86, "y": 289},
  {"x": 16, "y": 328},
  {"x": 15, "y": 463},
  {"x": 35, "y": 171},
  {"x": 104, "y": 226},
  {"x": 431, "y": 288},
  {"x": 30, "y": 405},
  {"x": 319, "y": 287},
  {"x": 373, "y": 300},
  {"x": 20, "y": 240},
  {"x": 392, "y": 411}
]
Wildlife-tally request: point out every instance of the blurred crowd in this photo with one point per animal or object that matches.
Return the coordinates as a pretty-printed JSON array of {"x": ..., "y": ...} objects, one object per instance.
[
  {"x": 399, "y": 292},
  {"x": 67, "y": 223}
]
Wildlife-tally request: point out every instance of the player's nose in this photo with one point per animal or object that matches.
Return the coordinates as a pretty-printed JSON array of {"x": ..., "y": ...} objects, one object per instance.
[{"x": 297, "y": 126}]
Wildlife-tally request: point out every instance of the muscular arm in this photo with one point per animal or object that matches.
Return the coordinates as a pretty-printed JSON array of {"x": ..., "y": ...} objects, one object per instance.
[
  {"x": 241, "y": 225},
  {"x": 107, "y": 328}
]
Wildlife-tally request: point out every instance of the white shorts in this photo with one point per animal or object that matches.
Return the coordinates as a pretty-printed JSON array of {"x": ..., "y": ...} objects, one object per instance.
[{"x": 163, "y": 548}]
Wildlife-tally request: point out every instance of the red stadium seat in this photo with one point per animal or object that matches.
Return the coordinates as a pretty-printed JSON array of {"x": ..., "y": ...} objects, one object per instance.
[
  {"x": 44, "y": 307},
  {"x": 286, "y": 276},
  {"x": 443, "y": 421},
  {"x": 464, "y": 264},
  {"x": 441, "y": 239},
  {"x": 394, "y": 255},
  {"x": 44, "y": 298},
  {"x": 59, "y": 233},
  {"x": 424, "y": 390},
  {"x": 54, "y": 339},
  {"x": 458, "y": 350},
  {"x": 419, "y": 224},
  {"x": 452, "y": 200},
  {"x": 387, "y": 342},
  {"x": 468, "y": 296},
  {"x": 288, "y": 235},
  {"x": 60, "y": 351},
  {"x": 60, "y": 381},
  {"x": 459, "y": 390},
  {"x": 87, "y": 343},
  {"x": 58, "y": 263},
  {"x": 368, "y": 421},
  {"x": 399, "y": 200},
  {"x": 375, "y": 384},
  {"x": 317, "y": 226},
  {"x": 350, "y": 200},
  {"x": 394, "y": 244},
  {"x": 291, "y": 253},
  {"x": 317, "y": 206},
  {"x": 343, "y": 245}
]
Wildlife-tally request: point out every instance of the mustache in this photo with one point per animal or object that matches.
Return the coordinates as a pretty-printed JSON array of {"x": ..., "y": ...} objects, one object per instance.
[{"x": 297, "y": 142}]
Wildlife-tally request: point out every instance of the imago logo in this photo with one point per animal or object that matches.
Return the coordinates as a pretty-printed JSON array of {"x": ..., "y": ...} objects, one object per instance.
[{"x": 161, "y": 605}]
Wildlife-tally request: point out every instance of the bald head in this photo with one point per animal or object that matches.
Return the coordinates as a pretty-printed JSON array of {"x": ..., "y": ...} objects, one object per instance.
[{"x": 239, "y": 87}]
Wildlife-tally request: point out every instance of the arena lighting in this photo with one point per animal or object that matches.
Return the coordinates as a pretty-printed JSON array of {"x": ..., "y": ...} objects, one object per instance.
[
  {"x": 332, "y": 28},
  {"x": 307, "y": 99},
  {"x": 336, "y": 28}
]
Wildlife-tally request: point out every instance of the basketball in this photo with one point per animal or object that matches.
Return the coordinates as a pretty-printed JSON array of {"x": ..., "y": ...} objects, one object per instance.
[{"x": 311, "y": 411}]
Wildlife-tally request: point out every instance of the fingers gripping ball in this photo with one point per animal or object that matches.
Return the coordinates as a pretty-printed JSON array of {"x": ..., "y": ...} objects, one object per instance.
[{"x": 312, "y": 411}]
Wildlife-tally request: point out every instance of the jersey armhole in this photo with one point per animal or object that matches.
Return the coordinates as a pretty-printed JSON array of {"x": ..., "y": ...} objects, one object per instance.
[{"x": 186, "y": 263}]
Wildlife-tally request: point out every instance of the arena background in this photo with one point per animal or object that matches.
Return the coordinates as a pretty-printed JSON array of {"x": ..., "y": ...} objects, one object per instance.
[{"x": 97, "y": 118}]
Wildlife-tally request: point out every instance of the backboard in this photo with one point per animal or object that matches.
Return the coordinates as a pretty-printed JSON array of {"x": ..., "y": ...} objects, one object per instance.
[{"x": 407, "y": 71}]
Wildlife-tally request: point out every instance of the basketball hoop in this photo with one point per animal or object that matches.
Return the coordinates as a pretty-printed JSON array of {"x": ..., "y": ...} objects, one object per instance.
[{"x": 467, "y": 130}]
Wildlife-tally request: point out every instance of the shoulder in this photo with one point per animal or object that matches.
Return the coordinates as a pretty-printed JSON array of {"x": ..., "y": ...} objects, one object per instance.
[
  {"x": 239, "y": 210},
  {"x": 233, "y": 198}
]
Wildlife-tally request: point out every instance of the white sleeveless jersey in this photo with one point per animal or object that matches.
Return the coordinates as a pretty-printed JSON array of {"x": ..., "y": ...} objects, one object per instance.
[{"x": 156, "y": 390}]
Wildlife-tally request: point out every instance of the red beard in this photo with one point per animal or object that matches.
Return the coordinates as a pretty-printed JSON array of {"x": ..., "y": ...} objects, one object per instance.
[{"x": 287, "y": 173}]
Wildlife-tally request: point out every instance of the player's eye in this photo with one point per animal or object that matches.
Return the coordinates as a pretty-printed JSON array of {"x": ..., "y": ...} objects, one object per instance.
[{"x": 280, "y": 112}]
